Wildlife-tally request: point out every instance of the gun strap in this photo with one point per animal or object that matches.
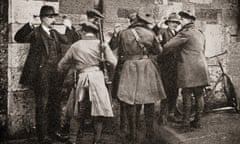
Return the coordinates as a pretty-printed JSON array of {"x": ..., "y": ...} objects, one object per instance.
[{"x": 137, "y": 38}]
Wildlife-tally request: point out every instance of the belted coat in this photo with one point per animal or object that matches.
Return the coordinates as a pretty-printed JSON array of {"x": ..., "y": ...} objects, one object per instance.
[{"x": 140, "y": 81}]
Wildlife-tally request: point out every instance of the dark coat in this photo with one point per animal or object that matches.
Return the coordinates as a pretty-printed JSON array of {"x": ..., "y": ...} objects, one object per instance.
[
  {"x": 38, "y": 52},
  {"x": 192, "y": 70},
  {"x": 167, "y": 62}
]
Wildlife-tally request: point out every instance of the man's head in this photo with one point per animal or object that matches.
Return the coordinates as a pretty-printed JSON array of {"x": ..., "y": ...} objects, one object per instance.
[
  {"x": 132, "y": 17},
  {"x": 172, "y": 21},
  {"x": 89, "y": 27},
  {"x": 186, "y": 17},
  {"x": 47, "y": 16},
  {"x": 145, "y": 18}
]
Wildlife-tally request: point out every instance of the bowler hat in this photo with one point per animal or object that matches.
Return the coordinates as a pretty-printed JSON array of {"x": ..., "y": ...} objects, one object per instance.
[
  {"x": 47, "y": 10},
  {"x": 187, "y": 14},
  {"x": 94, "y": 13},
  {"x": 172, "y": 18},
  {"x": 87, "y": 24},
  {"x": 145, "y": 16}
]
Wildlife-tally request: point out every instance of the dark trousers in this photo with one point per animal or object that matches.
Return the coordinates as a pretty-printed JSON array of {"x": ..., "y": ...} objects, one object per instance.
[
  {"x": 187, "y": 93},
  {"x": 47, "y": 93},
  {"x": 168, "y": 106},
  {"x": 132, "y": 112}
]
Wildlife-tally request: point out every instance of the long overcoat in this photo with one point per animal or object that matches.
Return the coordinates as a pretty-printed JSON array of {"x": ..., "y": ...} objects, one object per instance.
[
  {"x": 140, "y": 81},
  {"x": 192, "y": 69},
  {"x": 38, "y": 52}
]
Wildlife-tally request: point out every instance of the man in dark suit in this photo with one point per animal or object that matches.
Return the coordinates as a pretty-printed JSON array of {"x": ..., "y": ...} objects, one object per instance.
[
  {"x": 40, "y": 71},
  {"x": 168, "y": 65}
]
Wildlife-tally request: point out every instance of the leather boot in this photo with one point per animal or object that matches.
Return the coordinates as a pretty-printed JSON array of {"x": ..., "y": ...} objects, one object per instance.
[
  {"x": 149, "y": 116},
  {"x": 199, "y": 109},
  {"x": 186, "y": 110},
  {"x": 162, "y": 120}
]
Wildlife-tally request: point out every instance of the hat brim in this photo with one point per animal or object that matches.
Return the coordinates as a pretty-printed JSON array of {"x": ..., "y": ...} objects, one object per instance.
[
  {"x": 176, "y": 21},
  {"x": 186, "y": 15},
  {"x": 146, "y": 19},
  {"x": 53, "y": 14}
]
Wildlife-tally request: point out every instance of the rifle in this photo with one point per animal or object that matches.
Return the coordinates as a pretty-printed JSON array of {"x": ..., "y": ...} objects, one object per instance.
[{"x": 102, "y": 53}]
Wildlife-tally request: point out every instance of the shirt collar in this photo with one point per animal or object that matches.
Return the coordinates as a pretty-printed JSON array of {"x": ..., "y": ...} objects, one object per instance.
[{"x": 46, "y": 29}]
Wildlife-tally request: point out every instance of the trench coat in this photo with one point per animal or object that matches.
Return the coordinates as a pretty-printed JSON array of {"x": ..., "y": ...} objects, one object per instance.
[
  {"x": 192, "y": 69},
  {"x": 140, "y": 81},
  {"x": 84, "y": 55}
]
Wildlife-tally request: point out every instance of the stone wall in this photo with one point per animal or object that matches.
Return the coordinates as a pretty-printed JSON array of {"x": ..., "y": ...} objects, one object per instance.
[{"x": 3, "y": 66}]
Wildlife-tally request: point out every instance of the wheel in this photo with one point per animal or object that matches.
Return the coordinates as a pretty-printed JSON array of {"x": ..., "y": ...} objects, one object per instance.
[{"x": 229, "y": 90}]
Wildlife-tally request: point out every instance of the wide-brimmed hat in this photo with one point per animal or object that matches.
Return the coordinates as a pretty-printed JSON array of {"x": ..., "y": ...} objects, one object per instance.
[
  {"x": 187, "y": 14},
  {"x": 89, "y": 25},
  {"x": 94, "y": 13},
  {"x": 173, "y": 17},
  {"x": 145, "y": 16},
  {"x": 47, "y": 10}
]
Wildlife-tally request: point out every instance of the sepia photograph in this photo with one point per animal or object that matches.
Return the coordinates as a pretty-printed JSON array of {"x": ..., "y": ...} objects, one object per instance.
[{"x": 119, "y": 72}]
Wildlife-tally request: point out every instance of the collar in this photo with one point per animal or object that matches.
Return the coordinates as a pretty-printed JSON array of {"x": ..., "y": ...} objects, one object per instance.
[
  {"x": 46, "y": 29},
  {"x": 89, "y": 36},
  {"x": 138, "y": 24},
  {"x": 189, "y": 25}
]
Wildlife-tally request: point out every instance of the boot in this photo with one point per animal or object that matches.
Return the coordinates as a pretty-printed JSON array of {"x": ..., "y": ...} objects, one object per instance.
[
  {"x": 131, "y": 116},
  {"x": 162, "y": 120},
  {"x": 98, "y": 126},
  {"x": 149, "y": 116},
  {"x": 138, "y": 124},
  {"x": 186, "y": 111},
  {"x": 199, "y": 109}
]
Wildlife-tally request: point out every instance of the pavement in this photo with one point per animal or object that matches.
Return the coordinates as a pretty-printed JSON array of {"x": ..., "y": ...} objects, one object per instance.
[{"x": 222, "y": 127}]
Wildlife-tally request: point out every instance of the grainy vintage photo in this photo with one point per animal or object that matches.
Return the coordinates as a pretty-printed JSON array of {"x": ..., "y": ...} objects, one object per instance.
[{"x": 119, "y": 72}]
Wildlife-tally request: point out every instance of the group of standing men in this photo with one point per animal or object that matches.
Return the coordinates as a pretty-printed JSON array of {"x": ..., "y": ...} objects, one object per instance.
[{"x": 152, "y": 64}]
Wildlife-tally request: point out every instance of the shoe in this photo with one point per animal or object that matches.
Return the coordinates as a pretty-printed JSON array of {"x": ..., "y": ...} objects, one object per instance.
[
  {"x": 162, "y": 120},
  {"x": 59, "y": 137},
  {"x": 46, "y": 140},
  {"x": 173, "y": 118},
  {"x": 195, "y": 124}
]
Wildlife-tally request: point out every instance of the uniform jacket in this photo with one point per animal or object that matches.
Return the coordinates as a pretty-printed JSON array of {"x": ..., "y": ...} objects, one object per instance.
[
  {"x": 192, "y": 66},
  {"x": 38, "y": 52},
  {"x": 84, "y": 55},
  {"x": 140, "y": 81}
]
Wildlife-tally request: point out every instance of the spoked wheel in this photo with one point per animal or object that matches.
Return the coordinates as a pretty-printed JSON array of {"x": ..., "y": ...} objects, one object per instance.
[{"x": 230, "y": 93}]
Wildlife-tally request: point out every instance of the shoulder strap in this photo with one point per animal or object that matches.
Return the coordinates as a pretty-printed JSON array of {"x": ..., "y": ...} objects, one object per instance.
[{"x": 137, "y": 38}]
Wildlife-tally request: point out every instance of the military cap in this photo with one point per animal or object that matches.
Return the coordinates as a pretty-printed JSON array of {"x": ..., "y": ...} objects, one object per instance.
[
  {"x": 173, "y": 17},
  {"x": 187, "y": 14},
  {"x": 94, "y": 13}
]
